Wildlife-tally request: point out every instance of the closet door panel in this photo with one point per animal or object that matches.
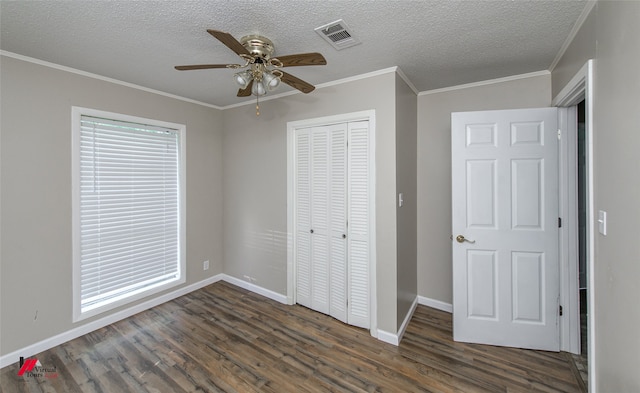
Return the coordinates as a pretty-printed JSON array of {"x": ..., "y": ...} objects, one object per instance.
[
  {"x": 303, "y": 217},
  {"x": 359, "y": 223},
  {"x": 320, "y": 204},
  {"x": 338, "y": 221}
]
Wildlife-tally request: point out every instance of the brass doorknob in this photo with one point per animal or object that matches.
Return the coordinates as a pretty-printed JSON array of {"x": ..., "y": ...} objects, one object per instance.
[{"x": 462, "y": 239}]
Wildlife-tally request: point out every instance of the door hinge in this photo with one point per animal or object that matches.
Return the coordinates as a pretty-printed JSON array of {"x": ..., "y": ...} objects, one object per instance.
[
  {"x": 559, "y": 135},
  {"x": 560, "y": 310},
  {"x": 559, "y": 222}
]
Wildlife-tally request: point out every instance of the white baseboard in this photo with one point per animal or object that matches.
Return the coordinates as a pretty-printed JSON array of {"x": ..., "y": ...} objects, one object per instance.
[
  {"x": 437, "y": 304},
  {"x": 389, "y": 338},
  {"x": 255, "y": 288},
  {"x": 407, "y": 319},
  {"x": 395, "y": 338},
  {"x": 61, "y": 338},
  {"x": 33, "y": 349}
]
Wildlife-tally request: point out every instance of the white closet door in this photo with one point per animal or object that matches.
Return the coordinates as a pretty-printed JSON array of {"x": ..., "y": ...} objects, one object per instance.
[
  {"x": 338, "y": 222},
  {"x": 320, "y": 204},
  {"x": 303, "y": 217},
  {"x": 332, "y": 189},
  {"x": 321, "y": 213},
  {"x": 359, "y": 224}
]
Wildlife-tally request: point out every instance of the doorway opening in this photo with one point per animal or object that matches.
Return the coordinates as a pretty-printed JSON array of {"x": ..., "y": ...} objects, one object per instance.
[{"x": 582, "y": 360}]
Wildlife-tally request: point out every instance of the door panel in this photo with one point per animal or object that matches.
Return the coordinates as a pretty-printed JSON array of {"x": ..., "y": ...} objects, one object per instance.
[
  {"x": 528, "y": 287},
  {"x": 359, "y": 224},
  {"x": 481, "y": 195},
  {"x": 338, "y": 221},
  {"x": 505, "y": 203},
  {"x": 526, "y": 194},
  {"x": 482, "y": 287},
  {"x": 303, "y": 217},
  {"x": 320, "y": 252}
]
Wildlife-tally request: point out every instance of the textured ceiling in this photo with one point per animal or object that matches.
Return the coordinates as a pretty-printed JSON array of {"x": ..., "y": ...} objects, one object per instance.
[{"x": 436, "y": 43}]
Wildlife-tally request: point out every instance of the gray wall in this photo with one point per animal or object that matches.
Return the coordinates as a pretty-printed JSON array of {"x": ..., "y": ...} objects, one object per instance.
[
  {"x": 434, "y": 168},
  {"x": 406, "y": 177},
  {"x": 35, "y": 269},
  {"x": 255, "y": 183},
  {"x": 616, "y": 142}
]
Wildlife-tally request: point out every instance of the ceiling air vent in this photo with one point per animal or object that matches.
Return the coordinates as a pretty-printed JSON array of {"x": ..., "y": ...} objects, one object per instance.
[{"x": 337, "y": 34}]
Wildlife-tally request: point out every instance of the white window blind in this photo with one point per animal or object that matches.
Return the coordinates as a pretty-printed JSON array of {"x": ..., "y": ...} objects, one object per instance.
[{"x": 129, "y": 210}]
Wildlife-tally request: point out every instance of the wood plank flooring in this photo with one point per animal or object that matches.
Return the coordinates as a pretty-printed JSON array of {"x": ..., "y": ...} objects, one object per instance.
[{"x": 225, "y": 339}]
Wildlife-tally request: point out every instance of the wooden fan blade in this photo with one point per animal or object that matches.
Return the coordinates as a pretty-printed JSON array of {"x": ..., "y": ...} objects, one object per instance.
[
  {"x": 302, "y": 59},
  {"x": 199, "y": 67},
  {"x": 246, "y": 92},
  {"x": 297, "y": 83},
  {"x": 229, "y": 41}
]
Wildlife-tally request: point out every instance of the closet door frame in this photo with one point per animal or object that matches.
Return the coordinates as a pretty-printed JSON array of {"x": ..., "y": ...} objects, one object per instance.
[{"x": 291, "y": 218}]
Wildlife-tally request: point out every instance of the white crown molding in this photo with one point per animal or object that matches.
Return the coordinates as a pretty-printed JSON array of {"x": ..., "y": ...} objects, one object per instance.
[
  {"x": 486, "y": 82},
  {"x": 248, "y": 102},
  {"x": 372, "y": 74},
  {"x": 572, "y": 34},
  {"x": 358, "y": 77},
  {"x": 102, "y": 78},
  {"x": 407, "y": 81}
]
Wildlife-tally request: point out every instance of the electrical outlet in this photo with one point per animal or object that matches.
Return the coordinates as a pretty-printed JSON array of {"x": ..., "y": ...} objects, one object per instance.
[{"x": 205, "y": 265}]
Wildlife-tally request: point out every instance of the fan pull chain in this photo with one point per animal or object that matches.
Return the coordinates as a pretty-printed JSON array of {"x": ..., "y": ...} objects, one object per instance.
[{"x": 257, "y": 105}]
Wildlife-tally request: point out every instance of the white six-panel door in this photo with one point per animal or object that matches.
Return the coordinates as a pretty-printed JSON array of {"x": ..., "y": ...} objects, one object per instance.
[
  {"x": 332, "y": 220},
  {"x": 505, "y": 228}
]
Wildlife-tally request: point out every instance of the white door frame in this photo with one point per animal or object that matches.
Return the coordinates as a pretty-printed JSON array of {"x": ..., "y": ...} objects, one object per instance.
[
  {"x": 368, "y": 115},
  {"x": 579, "y": 88}
]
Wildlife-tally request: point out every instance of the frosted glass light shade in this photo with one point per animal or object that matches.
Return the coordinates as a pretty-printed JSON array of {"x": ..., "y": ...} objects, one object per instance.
[
  {"x": 270, "y": 81},
  {"x": 243, "y": 79},
  {"x": 258, "y": 89}
]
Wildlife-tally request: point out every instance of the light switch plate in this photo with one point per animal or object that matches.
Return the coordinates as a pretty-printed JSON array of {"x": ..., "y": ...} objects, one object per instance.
[{"x": 602, "y": 222}]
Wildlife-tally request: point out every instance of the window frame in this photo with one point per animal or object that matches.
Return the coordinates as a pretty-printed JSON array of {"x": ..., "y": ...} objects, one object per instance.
[{"x": 76, "y": 116}]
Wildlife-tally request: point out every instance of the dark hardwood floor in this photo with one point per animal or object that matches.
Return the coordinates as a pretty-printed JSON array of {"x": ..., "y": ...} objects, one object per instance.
[{"x": 224, "y": 338}]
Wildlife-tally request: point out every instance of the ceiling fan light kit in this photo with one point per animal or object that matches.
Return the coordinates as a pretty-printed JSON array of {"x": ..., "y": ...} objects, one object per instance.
[{"x": 264, "y": 74}]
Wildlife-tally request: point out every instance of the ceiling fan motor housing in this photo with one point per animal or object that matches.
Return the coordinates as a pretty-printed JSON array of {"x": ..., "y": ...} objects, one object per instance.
[{"x": 258, "y": 46}]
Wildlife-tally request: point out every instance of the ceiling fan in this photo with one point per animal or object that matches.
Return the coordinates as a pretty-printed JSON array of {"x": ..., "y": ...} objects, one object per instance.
[{"x": 264, "y": 73}]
